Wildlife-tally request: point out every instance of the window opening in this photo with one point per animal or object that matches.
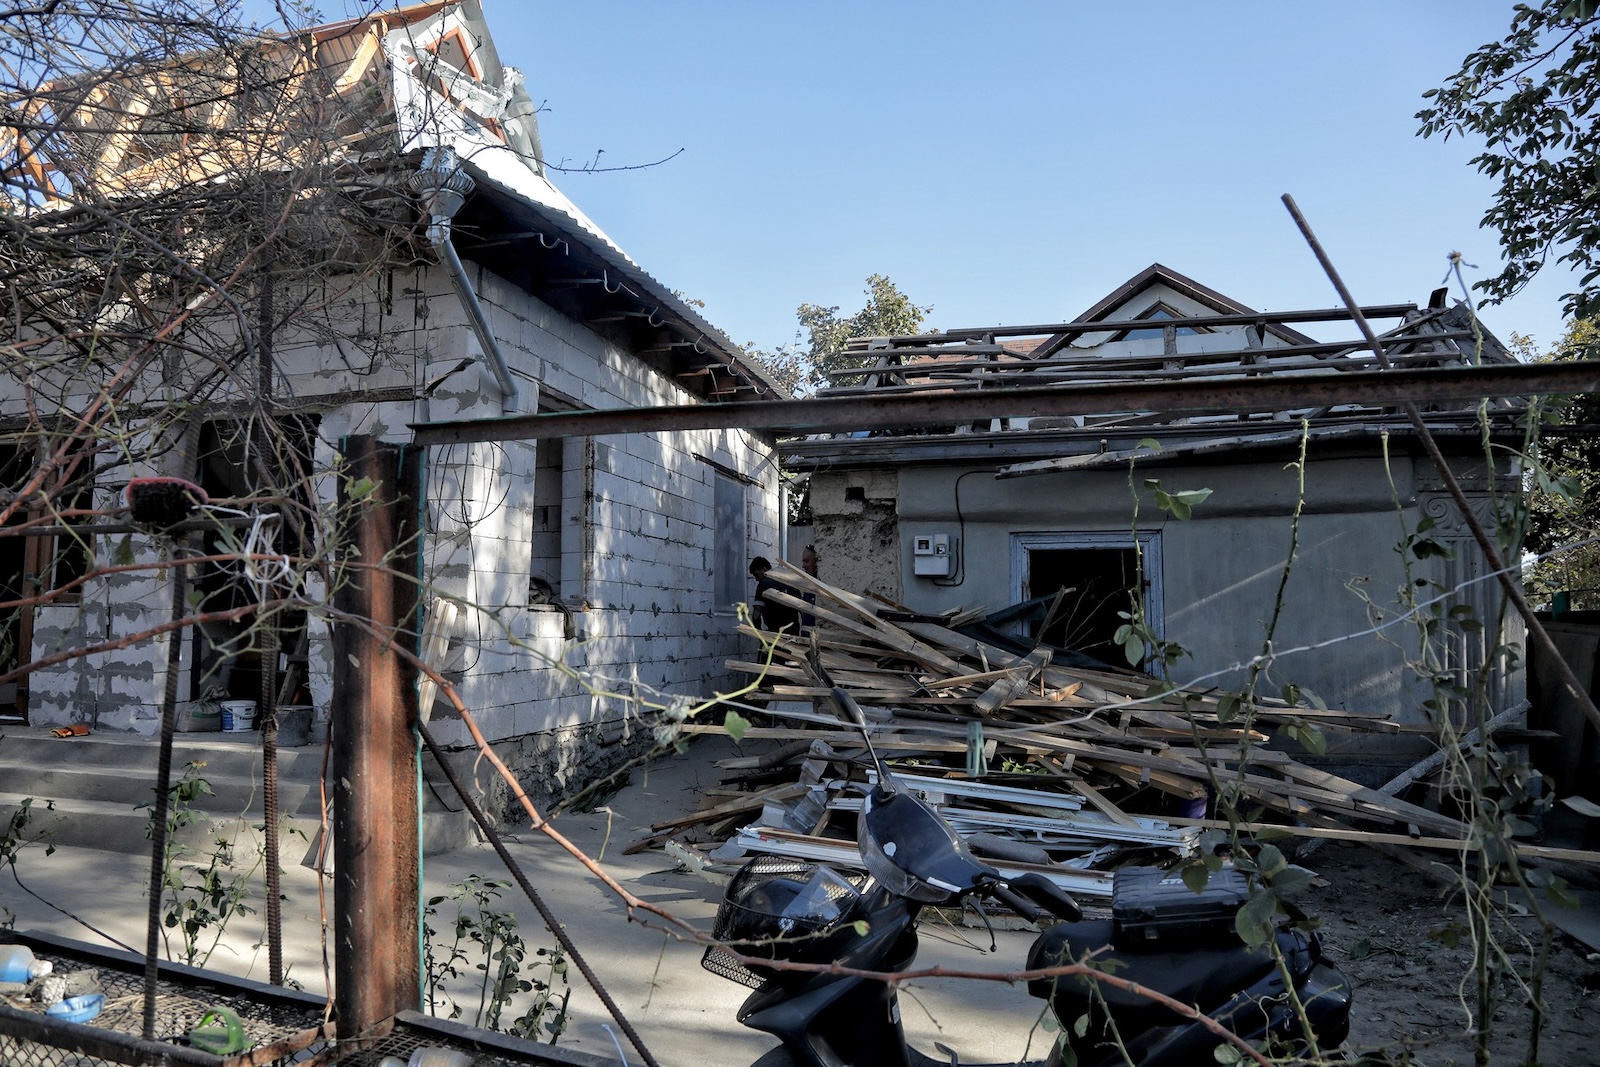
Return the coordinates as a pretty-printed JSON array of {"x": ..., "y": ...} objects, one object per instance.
[
  {"x": 728, "y": 568},
  {"x": 544, "y": 547},
  {"x": 1157, "y": 312}
]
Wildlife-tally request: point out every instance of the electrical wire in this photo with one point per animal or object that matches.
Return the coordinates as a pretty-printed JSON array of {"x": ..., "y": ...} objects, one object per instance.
[{"x": 961, "y": 537}]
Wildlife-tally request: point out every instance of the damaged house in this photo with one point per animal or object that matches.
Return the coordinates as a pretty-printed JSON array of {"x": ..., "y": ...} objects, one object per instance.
[
  {"x": 1185, "y": 524},
  {"x": 223, "y": 261}
]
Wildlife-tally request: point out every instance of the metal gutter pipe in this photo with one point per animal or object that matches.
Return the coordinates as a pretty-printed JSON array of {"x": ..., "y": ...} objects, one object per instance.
[{"x": 444, "y": 187}]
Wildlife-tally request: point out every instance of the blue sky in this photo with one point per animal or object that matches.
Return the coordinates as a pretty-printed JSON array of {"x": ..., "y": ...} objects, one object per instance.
[{"x": 1013, "y": 162}]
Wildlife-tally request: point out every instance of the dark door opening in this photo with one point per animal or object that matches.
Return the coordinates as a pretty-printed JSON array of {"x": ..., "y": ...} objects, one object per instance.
[
  {"x": 16, "y": 624},
  {"x": 1102, "y": 581},
  {"x": 227, "y": 654}
]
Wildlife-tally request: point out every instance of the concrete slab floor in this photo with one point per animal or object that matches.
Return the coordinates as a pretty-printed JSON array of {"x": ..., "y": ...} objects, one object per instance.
[{"x": 684, "y": 1013}]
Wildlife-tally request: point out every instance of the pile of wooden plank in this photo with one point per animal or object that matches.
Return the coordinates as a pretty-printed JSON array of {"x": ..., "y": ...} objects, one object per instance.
[{"x": 1059, "y": 768}]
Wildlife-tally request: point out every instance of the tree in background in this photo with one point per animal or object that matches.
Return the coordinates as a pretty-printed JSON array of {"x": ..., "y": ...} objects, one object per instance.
[
  {"x": 1532, "y": 98},
  {"x": 1564, "y": 505},
  {"x": 803, "y": 366}
]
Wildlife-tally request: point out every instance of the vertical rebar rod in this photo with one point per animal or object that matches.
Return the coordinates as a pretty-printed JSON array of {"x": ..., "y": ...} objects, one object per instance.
[
  {"x": 158, "y": 813},
  {"x": 268, "y": 628}
]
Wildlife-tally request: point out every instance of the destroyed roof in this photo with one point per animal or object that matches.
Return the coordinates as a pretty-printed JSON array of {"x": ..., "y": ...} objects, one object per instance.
[
  {"x": 398, "y": 82},
  {"x": 1159, "y": 326}
]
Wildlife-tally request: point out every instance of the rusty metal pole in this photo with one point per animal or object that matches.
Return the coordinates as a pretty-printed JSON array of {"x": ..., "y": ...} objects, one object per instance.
[{"x": 377, "y": 971}]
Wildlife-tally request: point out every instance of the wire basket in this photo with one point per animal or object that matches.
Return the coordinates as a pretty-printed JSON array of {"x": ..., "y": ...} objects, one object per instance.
[{"x": 780, "y": 908}]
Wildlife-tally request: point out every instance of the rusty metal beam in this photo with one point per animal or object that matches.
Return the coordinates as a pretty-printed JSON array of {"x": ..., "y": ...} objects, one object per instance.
[
  {"x": 376, "y": 968},
  {"x": 1232, "y": 318},
  {"x": 848, "y": 413}
]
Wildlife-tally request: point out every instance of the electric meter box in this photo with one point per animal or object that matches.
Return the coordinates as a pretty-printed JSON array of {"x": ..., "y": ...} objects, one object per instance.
[{"x": 933, "y": 555}]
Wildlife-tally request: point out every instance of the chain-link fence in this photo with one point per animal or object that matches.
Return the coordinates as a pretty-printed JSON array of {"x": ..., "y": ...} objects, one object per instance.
[{"x": 29, "y": 1037}]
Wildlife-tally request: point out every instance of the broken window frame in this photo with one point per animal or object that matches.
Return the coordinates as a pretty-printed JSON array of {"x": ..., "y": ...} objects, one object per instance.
[{"x": 1147, "y": 543}]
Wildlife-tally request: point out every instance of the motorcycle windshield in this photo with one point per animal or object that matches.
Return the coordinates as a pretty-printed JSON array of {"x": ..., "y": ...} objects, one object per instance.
[{"x": 913, "y": 852}]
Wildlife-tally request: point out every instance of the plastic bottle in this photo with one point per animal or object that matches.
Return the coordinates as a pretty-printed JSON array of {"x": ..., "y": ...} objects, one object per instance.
[{"x": 17, "y": 964}]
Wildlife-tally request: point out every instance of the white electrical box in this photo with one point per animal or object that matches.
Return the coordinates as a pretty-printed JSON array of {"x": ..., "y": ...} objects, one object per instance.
[{"x": 933, "y": 555}]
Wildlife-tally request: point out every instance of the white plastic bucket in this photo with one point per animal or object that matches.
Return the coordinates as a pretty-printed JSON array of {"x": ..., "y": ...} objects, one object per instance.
[{"x": 238, "y": 716}]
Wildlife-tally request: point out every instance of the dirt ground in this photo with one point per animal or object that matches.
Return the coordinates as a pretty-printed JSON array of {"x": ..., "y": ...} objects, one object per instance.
[{"x": 1381, "y": 920}]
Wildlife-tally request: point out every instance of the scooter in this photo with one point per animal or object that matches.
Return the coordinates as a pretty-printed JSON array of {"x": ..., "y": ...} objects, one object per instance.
[{"x": 1161, "y": 936}]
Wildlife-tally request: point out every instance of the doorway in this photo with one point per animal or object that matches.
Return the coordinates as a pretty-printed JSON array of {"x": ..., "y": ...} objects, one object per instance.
[
  {"x": 16, "y": 624},
  {"x": 227, "y": 655},
  {"x": 1101, "y": 573}
]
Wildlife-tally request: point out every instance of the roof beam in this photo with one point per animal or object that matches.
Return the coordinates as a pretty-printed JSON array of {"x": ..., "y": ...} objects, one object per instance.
[
  {"x": 851, "y": 413},
  {"x": 1277, "y": 318}
]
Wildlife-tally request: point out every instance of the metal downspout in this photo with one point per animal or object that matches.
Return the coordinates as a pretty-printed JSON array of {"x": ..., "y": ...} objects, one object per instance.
[
  {"x": 444, "y": 187},
  {"x": 439, "y": 235}
]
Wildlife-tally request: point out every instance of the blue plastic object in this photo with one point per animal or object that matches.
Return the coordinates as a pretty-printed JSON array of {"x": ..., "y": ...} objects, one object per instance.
[{"x": 77, "y": 1009}]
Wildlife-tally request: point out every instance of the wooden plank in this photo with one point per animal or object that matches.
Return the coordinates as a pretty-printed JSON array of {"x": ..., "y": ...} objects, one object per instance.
[
  {"x": 893, "y": 638},
  {"x": 1008, "y": 688},
  {"x": 1101, "y": 804},
  {"x": 1371, "y": 799},
  {"x": 1370, "y": 837}
]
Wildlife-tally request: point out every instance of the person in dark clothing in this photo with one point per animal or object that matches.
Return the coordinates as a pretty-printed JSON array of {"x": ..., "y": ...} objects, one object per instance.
[{"x": 769, "y": 614}]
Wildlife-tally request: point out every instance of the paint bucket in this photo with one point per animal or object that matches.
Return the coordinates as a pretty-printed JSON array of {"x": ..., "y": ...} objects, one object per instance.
[
  {"x": 238, "y": 716},
  {"x": 294, "y": 725}
]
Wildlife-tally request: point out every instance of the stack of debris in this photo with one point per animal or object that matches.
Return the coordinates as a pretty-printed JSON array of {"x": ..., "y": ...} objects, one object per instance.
[{"x": 1061, "y": 769}]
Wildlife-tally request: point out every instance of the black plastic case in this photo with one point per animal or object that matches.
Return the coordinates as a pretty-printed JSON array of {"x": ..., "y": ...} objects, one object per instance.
[{"x": 1152, "y": 908}]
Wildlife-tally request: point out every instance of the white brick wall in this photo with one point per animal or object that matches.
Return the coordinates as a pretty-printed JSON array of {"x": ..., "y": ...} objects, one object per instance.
[{"x": 648, "y": 504}]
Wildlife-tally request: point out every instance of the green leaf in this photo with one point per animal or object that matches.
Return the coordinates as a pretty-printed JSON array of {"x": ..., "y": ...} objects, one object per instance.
[
  {"x": 1192, "y": 497},
  {"x": 1270, "y": 860},
  {"x": 1291, "y": 880},
  {"x": 122, "y": 555},
  {"x": 1227, "y": 709},
  {"x": 1428, "y": 548},
  {"x": 1557, "y": 892},
  {"x": 1312, "y": 739},
  {"x": 1149, "y": 442},
  {"x": 1195, "y": 876},
  {"x": 1133, "y": 649},
  {"x": 1450, "y": 935},
  {"x": 735, "y": 724},
  {"x": 1254, "y": 921}
]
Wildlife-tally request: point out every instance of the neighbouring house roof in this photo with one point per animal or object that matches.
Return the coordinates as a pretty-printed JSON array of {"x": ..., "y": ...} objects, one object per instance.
[
  {"x": 1197, "y": 335},
  {"x": 402, "y": 81}
]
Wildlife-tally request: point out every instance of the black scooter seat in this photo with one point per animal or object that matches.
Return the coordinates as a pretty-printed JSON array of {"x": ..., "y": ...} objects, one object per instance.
[{"x": 1202, "y": 977}]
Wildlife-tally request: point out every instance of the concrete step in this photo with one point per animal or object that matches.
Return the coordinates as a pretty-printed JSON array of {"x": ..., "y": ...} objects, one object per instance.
[
  {"x": 135, "y": 788},
  {"x": 223, "y": 754},
  {"x": 101, "y": 787}
]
